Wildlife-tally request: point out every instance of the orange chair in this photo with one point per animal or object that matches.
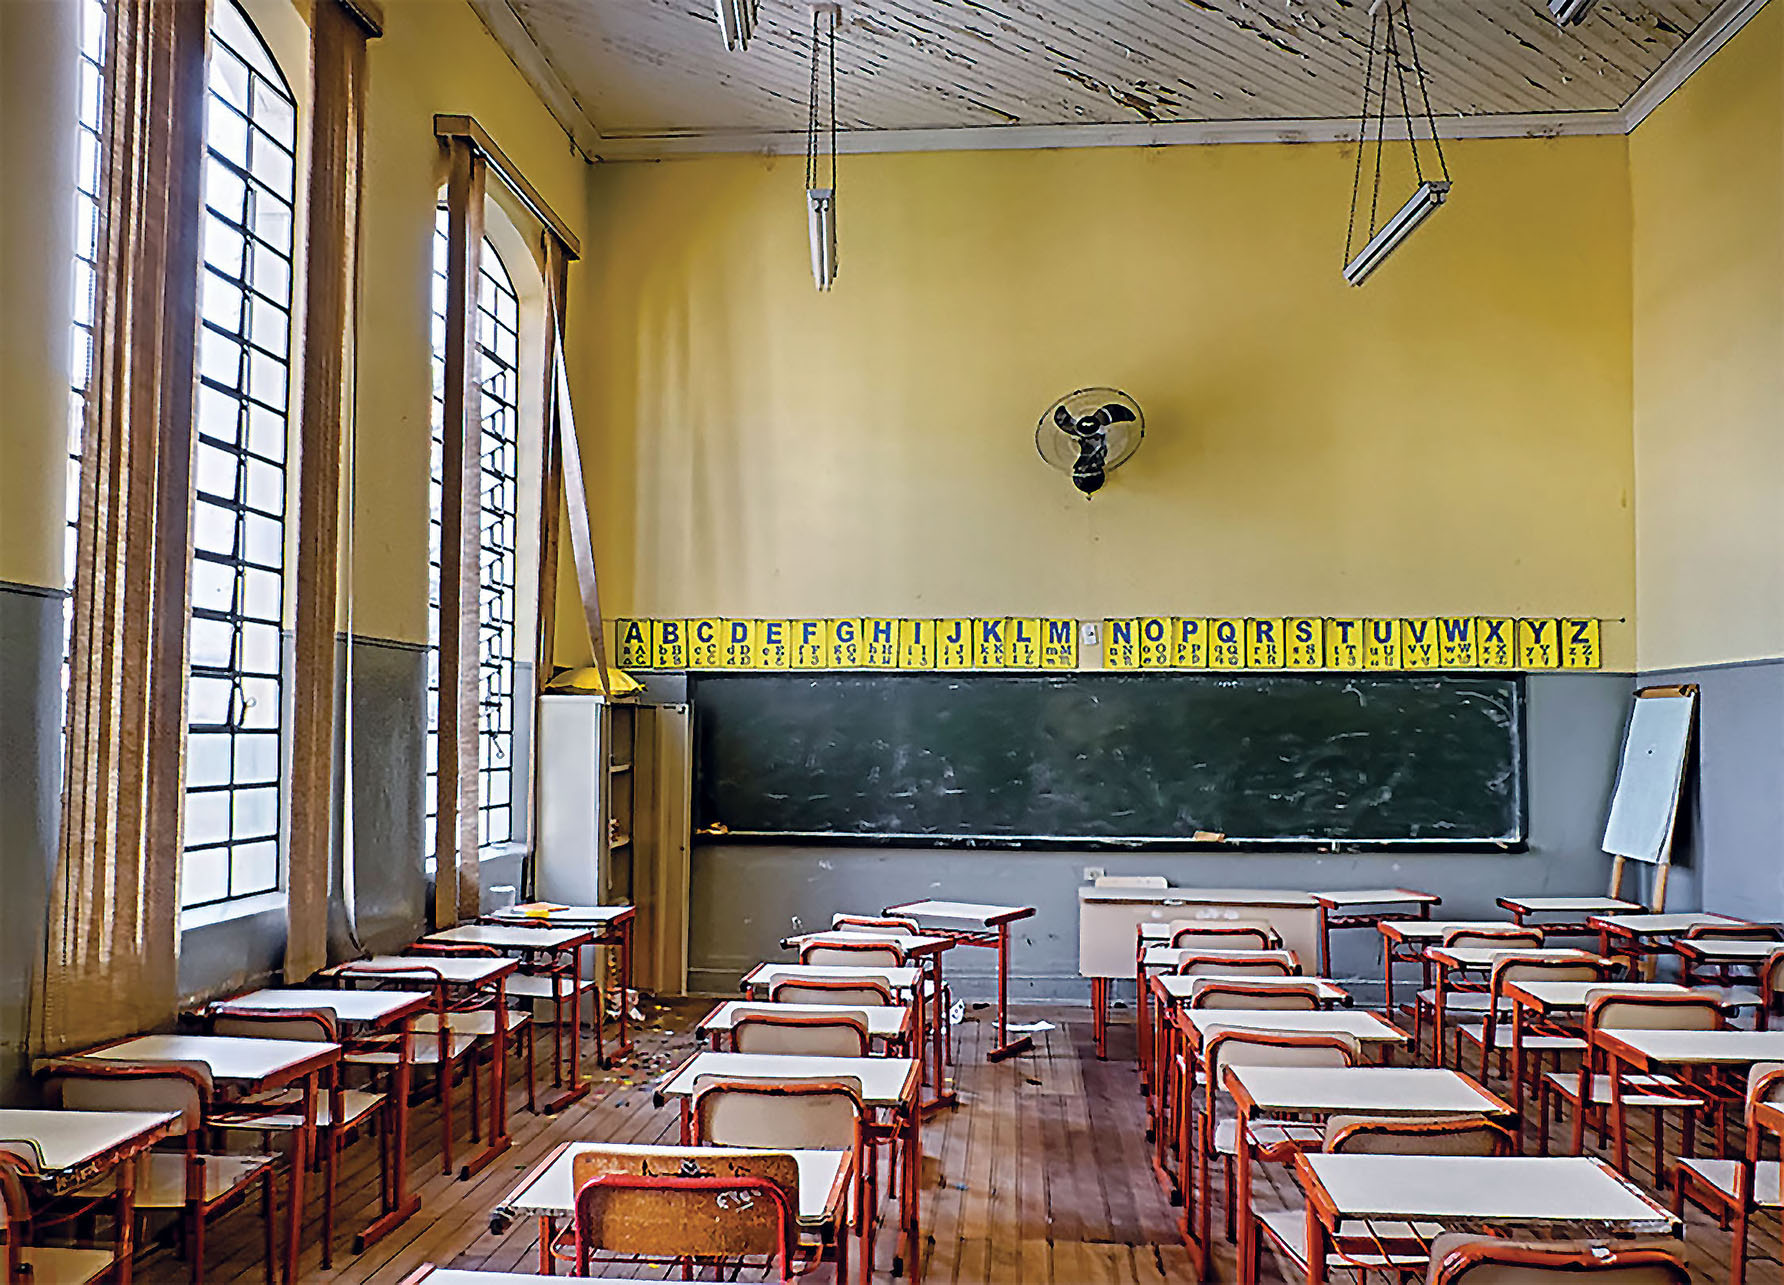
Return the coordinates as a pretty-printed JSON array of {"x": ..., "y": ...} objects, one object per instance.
[
  {"x": 1734, "y": 1190},
  {"x": 1459, "y": 1258},
  {"x": 26, "y": 1263}
]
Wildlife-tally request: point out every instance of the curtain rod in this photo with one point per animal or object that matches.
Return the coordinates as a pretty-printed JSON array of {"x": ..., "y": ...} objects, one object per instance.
[{"x": 467, "y": 128}]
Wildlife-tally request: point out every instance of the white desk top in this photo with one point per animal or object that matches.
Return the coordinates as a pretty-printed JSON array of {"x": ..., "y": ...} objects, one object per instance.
[
  {"x": 910, "y": 944},
  {"x": 1434, "y": 929},
  {"x": 882, "y": 1022},
  {"x": 972, "y": 912},
  {"x": 1364, "y": 1090},
  {"x": 513, "y": 936},
  {"x": 1727, "y": 952},
  {"x": 547, "y": 1192},
  {"x": 548, "y": 912},
  {"x": 766, "y": 975},
  {"x": 1647, "y": 925},
  {"x": 352, "y": 1006},
  {"x": 1342, "y": 1021},
  {"x": 249, "y": 1061},
  {"x": 1375, "y": 897},
  {"x": 1570, "y": 905},
  {"x": 1562, "y": 997},
  {"x": 1468, "y": 957},
  {"x": 55, "y": 1141},
  {"x": 1727, "y": 1048},
  {"x": 462, "y": 970},
  {"x": 1198, "y": 896},
  {"x": 885, "y": 1081},
  {"x": 1521, "y": 1189},
  {"x": 1186, "y": 987}
]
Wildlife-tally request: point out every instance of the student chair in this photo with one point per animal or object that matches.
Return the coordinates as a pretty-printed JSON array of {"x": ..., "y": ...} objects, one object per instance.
[
  {"x": 1300, "y": 994},
  {"x": 280, "y": 1111},
  {"x": 1464, "y": 1258},
  {"x": 1589, "y": 1093},
  {"x": 675, "y": 1205},
  {"x": 854, "y": 954},
  {"x": 1239, "y": 963},
  {"x": 1157, "y": 1051},
  {"x": 1733, "y": 984},
  {"x": 1463, "y": 1001},
  {"x": 1223, "y": 935},
  {"x": 855, "y": 992},
  {"x": 26, "y": 1263},
  {"x": 1486, "y": 1035},
  {"x": 1735, "y": 1190},
  {"x": 1216, "y": 1127},
  {"x": 798, "y": 1115},
  {"x": 476, "y": 1017},
  {"x": 875, "y": 925},
  {"x": 1771, "y": 989},
  {"x": 197, "y": 1184},
  {"x": 775, "y": 1029}
]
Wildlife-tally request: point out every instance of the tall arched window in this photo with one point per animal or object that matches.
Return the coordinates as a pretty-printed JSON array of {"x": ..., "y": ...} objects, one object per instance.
[
  {"x": 497, "y": 338},
  {"x": 90, "y": 105},
  {"x": 235, "y": 691}
]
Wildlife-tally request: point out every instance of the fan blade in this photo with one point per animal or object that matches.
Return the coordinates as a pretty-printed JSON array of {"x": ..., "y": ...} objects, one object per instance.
[
  {"x": 1115, "y": 413},
  {"x": 1062, "y": 417},
  {"x": 1092, "y": 452}
]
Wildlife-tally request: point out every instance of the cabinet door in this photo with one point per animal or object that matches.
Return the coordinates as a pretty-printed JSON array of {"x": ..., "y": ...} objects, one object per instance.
[{"x": 663, "y": 800}]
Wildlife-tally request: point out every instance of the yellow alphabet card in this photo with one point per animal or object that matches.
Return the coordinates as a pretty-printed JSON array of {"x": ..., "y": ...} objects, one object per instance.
[
  {"x": 1455, "y": 642},
  {"x": 1155, "y": 641},
  {"x": 1226, "y": 646},
  {"x": 1121, "y": 644},
  {"x": 1024, "y": 642},
  {"x": 808, "y": 646},
  {"x": 1263, "y": 643},
  {"x": 879, "y": 643},
  {"x": 954, "y": 643},
  {"x": 1539, "y": 644},
  {"x": 773, "y": 651},
  {"x": 1059, "y": 644},
  {"x": 1579, "y": 644},
  {"x": 706, "y": 644},
  {"x": 1418, "y": 643},
  {"x": 631, "y": 644},
  {"x": 669, "y": 644},
  {"x": 1189, "y": 642},
  {"x": 916, "y": 644},
  {"x": 1344, "y": 643},
  {"x": 844, "y": 640},
  {"x": 991, "y": 642},
  {"x": 1381, "y": 644},
  {"x": 1305, "y": 640},
  {"x": 1495, "y": 643},
  {"x": 740, "y": 644}
]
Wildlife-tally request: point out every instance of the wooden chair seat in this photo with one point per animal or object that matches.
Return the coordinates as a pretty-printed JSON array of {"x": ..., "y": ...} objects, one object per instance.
[
  {"x": 1458, "y": 1001},
  {"x": 1265, "y": 1135},
  {"x": 1287, "y": 1230},
  {"x": 65, "y": 1266},
  {"x": 479, "y": 1023},
  {"x": 1568, "y": 1086},
  {"x": 1722, "y": 1175},
  {"x": 1532, "y": 1043},
  {"x": 282, "y": 1110},
  {"x": 422, "y": 1052},
  {"x": 161, "y": 1179}
]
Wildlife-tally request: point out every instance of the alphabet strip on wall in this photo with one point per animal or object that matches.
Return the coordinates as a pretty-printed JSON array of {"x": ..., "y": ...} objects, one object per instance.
[{"x": 1127, "y": 643}]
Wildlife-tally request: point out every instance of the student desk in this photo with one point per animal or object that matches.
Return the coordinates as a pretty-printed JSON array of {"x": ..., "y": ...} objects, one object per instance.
[
  {"x": 64, "y": 1150},
  {"x": 612, "y": 925},
  {"x": 1108, "y": 920},
  {"x": 251, "y": 1066},
  {"x": 1645, "y": 1052},
  {"x": 925, "y": 948},
  {"x": 559, "y": 948},
  {"x": 368, "y": 1010},
  {"x": 1445, "y": 960},
  {"x": 1320, "y": 1092},
  {"x": 1563, "y": 1193},
  {"x": 1744, "y": 952},
  {"x": 1640, "y": 936},
  {"x": 547, "y": 1194},
  {"x": 893, "y": 1024},
  {"x": 1540, "y": 1000},
  {"x": 1150, "y": 960},
  {"x": 1565, "y": 916},
  {"x": 1407, "y": 939},
  {"x": 467, "y": 974},
  {"x": 1366, "y": 908},
  {"x": 888, "y": 1084},
  {"x": 989, "y": 926}
]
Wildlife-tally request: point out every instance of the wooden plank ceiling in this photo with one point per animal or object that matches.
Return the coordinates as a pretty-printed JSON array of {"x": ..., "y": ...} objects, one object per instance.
[{"x": 658, "y": 68}]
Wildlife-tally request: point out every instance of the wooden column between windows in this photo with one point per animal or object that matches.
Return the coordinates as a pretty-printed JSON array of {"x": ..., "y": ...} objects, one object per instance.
[
  {"x": 338, "y": 35},
  {"x": 456, "y": 892}
]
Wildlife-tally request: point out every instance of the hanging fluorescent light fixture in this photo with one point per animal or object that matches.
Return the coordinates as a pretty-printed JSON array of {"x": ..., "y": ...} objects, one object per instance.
[
  {"x": 737, "y": 21},
  {"x": 1569, "y": 13},
  {"x": 1382, "y": 239},
  {"x": 820, "y": 147}
]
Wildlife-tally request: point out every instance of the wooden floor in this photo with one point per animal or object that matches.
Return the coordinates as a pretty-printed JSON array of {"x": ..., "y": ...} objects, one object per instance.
[{"x": 1039, "y": 1178}]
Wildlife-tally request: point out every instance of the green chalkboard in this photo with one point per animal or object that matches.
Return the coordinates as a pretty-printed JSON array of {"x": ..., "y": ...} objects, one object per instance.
[{"x": 1118, "y": 759}]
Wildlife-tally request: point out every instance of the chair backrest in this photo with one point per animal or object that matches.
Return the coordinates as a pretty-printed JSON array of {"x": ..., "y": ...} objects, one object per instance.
[
  {"x": 1262, "y": 963},
  {"x": 856, "y": 992},
  {"x": 273, "y": 1024},
  {"x": 1225, "y": 934},
  {"x": 91, "y": 1084},
  {"x": 1612, "y": 1009},
  {"x": 1522, "y": 968},
  {"x": 1465, "y": 1258},
  {"x": 741, "y": 1111},
  {"x": 460, "y": 949},
  {"x": 1765, "y": 1084},
  {"x": 866, "y": 954},
  {"x": 1224, "y": 1046},
  {"x": 1509, "y": 937},
  {"x": 1735, "y": 932},
  {"x": 667, "y": 1202},
  {"x": 1455, "y": 1135},
  {"x": 772, "y": 1029},
  {"x": 876, "y": 925},
  {"x": 1301, "y": 995},
  {"x": 1132, "y": 881}
]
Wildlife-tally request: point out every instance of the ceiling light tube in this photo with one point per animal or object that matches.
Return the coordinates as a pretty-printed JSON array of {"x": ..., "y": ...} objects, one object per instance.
[
  {"x": 737, "y": 22},
  {"x": 1569, "y": 13},
  {"x": 821, "y": 221},
  {"x": 1417, "y": 209}
]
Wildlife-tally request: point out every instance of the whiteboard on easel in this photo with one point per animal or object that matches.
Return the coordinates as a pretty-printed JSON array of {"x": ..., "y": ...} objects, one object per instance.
[{"x": 1646, "y": 799}]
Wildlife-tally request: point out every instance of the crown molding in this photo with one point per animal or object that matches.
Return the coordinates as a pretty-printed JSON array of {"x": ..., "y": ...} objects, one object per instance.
[
  {"x": 1715, "y": 31},
  {"x": 523, "y": 51}
]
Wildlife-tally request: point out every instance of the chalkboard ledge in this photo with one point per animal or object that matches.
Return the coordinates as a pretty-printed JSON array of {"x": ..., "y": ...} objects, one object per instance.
[{"x": 1085, "y": 843}]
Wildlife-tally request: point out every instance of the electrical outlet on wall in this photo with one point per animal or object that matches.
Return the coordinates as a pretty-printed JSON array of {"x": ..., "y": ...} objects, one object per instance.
[{"x": 1092, "y": 873}]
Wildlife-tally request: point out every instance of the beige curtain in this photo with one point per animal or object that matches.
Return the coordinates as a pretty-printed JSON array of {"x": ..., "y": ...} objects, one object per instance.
[
  {"x": 111, "y": 956},
  {"x": 338, "y": 35},
  {"x": 456, "y": 890}
]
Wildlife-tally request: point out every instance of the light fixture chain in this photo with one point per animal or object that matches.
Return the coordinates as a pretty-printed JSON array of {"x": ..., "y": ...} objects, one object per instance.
[
  {"x": 1356, "y": 183},
  {"x": 1425, "y": 93}
]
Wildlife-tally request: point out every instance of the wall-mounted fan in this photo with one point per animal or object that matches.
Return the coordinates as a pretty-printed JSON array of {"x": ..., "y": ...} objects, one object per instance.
[{"x": 1090, "y": 433}]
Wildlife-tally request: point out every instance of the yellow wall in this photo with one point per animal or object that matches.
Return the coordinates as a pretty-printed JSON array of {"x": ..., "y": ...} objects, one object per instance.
[
  {"x": 1452, "y": 438},
  {"x": 1707, "y": 182}
]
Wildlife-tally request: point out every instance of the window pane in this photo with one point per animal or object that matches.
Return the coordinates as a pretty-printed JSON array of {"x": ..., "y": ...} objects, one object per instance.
[{"x": 235, "y": 695}]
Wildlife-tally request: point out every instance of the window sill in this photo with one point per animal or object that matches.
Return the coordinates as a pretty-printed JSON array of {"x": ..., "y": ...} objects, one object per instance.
[{"x": 224, "y": 911}]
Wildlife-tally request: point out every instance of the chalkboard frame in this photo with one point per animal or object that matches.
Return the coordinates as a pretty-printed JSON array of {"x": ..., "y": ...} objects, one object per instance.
[{"x": 1322, "y": 845}]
